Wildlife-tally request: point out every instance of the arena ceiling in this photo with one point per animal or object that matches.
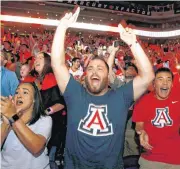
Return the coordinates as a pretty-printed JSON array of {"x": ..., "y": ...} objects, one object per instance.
[{"x": 54, "y": 10}]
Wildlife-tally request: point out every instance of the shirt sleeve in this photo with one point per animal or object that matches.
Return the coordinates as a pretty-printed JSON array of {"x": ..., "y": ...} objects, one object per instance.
[
  {"x": 73, "y": 91},
  {"x": 128, "y": 93},
  {"x": 140, "y": 113},
  {"x": 13, "y": 81},
  {"x": 44, "y": 127}
]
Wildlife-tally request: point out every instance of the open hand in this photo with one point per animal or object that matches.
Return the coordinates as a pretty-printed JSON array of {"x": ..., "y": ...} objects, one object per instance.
[
  {"x": 144, "y": 140},
  {"x": 8, "y": 108},
  {"x": 126, "y": 32},
  {"x": 69, "y": 18}
]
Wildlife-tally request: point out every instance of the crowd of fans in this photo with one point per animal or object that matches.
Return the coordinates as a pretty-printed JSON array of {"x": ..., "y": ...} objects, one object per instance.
[
  {"x": 21, "y": 49},
  {"x": 29, "y": 57}
]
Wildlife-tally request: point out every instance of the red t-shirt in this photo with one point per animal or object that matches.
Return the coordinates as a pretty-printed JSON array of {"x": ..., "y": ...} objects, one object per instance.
[{"x": 161, "y": 122}]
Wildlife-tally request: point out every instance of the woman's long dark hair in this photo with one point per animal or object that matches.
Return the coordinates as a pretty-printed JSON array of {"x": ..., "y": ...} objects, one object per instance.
[
  {"x": 47, "y": 64},
  {"x": 38, "y": 109}
]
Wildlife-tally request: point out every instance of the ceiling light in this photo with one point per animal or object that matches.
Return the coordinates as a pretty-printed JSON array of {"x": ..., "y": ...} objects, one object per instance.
[
  {"x": 78, "y": 25},
  {"x": 38, "y": 13},
  {"x": 56, "y": 15},
  {"x": 111, "y": 19},
  {"x": 47, "y": 14},
  {"x": 92, "y": 19}
]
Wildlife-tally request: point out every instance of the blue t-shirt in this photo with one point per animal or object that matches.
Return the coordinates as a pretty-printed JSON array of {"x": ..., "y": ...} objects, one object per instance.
[
  {"x": 9, "y": 82},
  {"x": 95, "y": 127}
]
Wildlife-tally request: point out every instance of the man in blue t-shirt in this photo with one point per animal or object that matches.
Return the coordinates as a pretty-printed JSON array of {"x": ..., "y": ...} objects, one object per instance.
[
  {"x": 9, "y": 81},
  {"x": 97, "y": 115}
]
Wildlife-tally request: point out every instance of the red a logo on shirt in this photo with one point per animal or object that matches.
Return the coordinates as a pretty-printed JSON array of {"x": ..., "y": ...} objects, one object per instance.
[
  {"x": 96, "y": 122},
  {"x": 162, "y": 118}
]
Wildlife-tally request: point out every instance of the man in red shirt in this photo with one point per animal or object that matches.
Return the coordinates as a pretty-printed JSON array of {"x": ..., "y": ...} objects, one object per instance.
[{"x": 157, "y": 120}]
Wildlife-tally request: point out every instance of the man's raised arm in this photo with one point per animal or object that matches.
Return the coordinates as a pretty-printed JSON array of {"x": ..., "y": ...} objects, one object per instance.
[
  {"x": 58, "y": 53},
  {"x": 145, "y": 70}
]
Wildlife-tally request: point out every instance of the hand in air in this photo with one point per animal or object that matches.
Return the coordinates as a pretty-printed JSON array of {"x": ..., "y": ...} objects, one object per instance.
[
  {"x": 69, "y": 18},
  {"x": 127, "y": 33}
]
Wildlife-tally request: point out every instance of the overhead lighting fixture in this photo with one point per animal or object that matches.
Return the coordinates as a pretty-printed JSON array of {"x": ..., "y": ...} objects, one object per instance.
[
  {"x": 78, "y": 25},
  {"x": 111, "y": 19}
]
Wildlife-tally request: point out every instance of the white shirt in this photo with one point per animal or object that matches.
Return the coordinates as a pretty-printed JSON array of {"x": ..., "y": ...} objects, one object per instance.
[
  {"x": 77, "y": 73},
  {"x": 15, "y": 156}
]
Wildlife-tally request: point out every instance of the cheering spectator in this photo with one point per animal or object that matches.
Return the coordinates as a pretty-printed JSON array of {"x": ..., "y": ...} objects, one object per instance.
[
  {"x": 76, "y": 69},
  {"x": 158, "y": 124},
  {"x": 9, "y": 81},
  {"x": 25, "y": 130},
  {"x": 54, "y": 105},
  {"x": 25, "y": 74},
  {"x": 97, "y": 115}
]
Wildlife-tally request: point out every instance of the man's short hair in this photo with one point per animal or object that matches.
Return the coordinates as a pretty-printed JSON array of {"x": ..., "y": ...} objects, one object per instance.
[
  {"x": 74, "y": 59},
  {"x": 102, "y": 59},
  {"x": 130, "y": 64},
  {"x": 164, "y": 69}
]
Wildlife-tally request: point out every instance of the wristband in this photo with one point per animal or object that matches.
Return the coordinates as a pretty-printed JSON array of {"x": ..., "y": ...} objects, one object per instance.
[
  {"x": 13, "y": 119},
  {"x": 49, "y": 111}
]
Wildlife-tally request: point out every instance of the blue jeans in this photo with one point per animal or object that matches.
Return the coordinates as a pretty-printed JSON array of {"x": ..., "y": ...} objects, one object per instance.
[{"x": 52, "y": 156}]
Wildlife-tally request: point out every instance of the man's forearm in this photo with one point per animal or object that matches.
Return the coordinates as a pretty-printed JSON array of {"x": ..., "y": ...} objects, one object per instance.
[
  {"x": 110, "y": 60},
  {"x": 58, "y": 53},
  {"x": 139, "y": 126},
  {"x": 144, "y": 66}
]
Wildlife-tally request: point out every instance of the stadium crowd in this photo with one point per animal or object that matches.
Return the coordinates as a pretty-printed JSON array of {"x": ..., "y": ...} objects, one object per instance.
[{"x": 27, "y": 75}]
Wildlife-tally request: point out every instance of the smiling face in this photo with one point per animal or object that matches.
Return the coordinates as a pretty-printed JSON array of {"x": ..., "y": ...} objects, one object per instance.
[
  {"x": 24, "y": 97},
  {"x": 96, "y": 79},
  {"x": 39, "y": 63},
  {"x": 162, "y": 85}
]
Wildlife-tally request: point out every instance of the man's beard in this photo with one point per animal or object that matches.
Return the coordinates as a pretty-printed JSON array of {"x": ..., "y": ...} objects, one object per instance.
[{"x": 98, "y": 90}]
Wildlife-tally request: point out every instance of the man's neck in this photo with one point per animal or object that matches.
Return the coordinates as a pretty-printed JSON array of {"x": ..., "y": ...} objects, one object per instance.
[{"x": 103, "y": 92}]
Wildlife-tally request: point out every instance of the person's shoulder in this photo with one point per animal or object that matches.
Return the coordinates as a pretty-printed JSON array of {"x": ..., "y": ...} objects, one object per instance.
[
  {"x": 9, "y": 72},
  {"x": 147, "y": 97}
]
